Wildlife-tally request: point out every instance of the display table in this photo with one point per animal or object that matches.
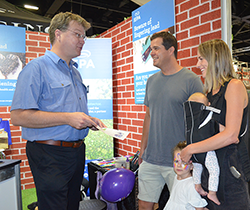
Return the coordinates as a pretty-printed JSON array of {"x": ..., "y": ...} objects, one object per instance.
[
  {"x": 10, "y": 185},
  {"x": 128, "y": 203}
]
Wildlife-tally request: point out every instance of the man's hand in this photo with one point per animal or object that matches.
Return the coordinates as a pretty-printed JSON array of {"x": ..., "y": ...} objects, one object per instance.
[
  {"x": 98, "y": 122},
  {"x": 80, "y": 120}
]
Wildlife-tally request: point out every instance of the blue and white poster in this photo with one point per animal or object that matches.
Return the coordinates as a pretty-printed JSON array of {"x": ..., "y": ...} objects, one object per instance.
[
  {"x": 12, "y": 60},
  {"x": 95, "y": 66},
  {"x": 155, "y": 16}
]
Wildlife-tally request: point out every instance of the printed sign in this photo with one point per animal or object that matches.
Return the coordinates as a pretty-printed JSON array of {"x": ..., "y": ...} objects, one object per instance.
[
  {"x": 155, "y": 16},
  {"x": 12, "y": 60},
  {"x": 95, "y": 66}
]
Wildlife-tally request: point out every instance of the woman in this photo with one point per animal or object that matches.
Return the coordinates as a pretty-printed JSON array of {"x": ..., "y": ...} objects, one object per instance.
[{"x": 228, "y": 94}]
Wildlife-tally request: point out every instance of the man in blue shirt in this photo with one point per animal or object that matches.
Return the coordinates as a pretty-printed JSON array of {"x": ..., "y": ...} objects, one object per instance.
[{"x": 50, "y": 103}]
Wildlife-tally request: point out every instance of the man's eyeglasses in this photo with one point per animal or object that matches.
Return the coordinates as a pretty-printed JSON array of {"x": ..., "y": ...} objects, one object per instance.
[{"x": 79, "y": 35}]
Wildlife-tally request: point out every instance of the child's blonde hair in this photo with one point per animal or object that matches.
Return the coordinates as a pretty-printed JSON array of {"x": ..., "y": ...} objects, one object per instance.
[{"x": 180, "y": 146}]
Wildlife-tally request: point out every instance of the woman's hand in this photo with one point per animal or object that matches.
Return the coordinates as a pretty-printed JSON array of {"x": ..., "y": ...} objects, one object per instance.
[{"x": 186, "y": 154}]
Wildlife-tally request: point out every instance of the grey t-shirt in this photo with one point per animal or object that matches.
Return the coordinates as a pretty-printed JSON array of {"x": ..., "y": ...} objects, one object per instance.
[{"x": 165, "y": 95}]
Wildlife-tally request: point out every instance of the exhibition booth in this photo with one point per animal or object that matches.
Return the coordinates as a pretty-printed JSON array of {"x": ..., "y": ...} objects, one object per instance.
[{"x": 115, "y": 67}]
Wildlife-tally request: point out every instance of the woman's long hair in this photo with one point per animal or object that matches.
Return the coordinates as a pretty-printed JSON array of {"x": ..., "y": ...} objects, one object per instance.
[{"x": 220, "y": 65}]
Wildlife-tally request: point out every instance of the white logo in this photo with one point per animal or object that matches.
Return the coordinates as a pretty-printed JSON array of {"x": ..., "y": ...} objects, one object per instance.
[
  {"x": 85, "y": 61},
  {"x": 85, "y": 53}
]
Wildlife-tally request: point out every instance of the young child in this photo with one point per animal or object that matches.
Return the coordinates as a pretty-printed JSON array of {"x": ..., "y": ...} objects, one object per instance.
[
  {"x": 183, "y": 194},
  {"x": 211, "y": 161}
]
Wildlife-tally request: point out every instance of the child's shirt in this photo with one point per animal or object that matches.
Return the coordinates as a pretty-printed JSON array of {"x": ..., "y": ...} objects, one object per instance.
[{"x": 184, "y": 196}]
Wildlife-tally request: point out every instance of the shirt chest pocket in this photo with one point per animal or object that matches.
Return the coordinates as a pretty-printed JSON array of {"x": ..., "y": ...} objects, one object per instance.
[{"x": 61, "y": 91}]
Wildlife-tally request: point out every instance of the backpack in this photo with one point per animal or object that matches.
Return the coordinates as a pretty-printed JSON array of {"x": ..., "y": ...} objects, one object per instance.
[{"x": 199, "y": 125}]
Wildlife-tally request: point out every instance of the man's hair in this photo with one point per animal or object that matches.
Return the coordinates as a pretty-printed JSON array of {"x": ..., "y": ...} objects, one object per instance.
[
  {"x": 168, "y": 40},
  {"x": 220, "y": 65},
  {"x": 61, "y": 21}
]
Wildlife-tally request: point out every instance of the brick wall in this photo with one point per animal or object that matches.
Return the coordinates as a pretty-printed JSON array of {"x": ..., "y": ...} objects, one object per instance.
[{"x": 196, "y": 22}]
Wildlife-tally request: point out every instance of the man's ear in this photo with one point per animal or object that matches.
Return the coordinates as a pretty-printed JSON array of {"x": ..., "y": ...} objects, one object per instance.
[
  {"x": 171, "y": 50},
  {"x": 58, "y": 34}
]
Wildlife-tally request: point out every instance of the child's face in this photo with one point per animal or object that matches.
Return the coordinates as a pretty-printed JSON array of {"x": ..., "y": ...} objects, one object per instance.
[{"x": 181, "y": 169}]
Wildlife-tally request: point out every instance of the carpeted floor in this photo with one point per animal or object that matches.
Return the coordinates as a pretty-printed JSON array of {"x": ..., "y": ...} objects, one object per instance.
[{"x": 28, "y": 197}]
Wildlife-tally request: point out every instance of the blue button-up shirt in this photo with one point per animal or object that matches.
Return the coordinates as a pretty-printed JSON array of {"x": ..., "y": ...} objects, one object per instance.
[{"x": 48, "y": 84}]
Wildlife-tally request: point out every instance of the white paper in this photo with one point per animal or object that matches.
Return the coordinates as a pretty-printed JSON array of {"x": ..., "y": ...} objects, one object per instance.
[{"x": 119, "y": 134}]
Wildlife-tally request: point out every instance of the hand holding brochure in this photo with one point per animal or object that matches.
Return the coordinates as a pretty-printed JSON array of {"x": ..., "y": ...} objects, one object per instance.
[{"x": 119, "y": 134}]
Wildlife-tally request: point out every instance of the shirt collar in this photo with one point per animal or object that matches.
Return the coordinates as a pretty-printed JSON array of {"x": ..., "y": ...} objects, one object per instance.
[{"x": 56, "y": 59}]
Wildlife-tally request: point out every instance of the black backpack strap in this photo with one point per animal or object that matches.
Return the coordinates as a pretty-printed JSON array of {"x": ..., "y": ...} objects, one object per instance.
[{"x": 217, "y": 102}]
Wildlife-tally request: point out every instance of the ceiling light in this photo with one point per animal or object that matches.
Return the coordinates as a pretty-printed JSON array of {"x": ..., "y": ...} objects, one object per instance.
[
  {"x": 11, "y": 11},
  {"x": 2, "y": 10},
  {"x": 31, "y": 7}
]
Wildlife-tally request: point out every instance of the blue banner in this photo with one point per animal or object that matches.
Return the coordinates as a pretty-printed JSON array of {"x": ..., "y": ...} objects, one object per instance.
[
  {"x": 100, "y": 108},
  {"x": 152, "y": 17},
  {"x": 12, "y": 60},
  {"x": 12, "y": 39},
  {"x": 155, "y": 16},
  {"x": 7, "y": 89},
  {"x": 95, "y": 61},
  {"x": 95, "y": 66},
  {"x": 140, "y": 85}
]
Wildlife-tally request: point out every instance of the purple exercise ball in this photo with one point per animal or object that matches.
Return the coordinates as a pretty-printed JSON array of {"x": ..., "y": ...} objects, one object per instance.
[{"x": 117, "y": 184}]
